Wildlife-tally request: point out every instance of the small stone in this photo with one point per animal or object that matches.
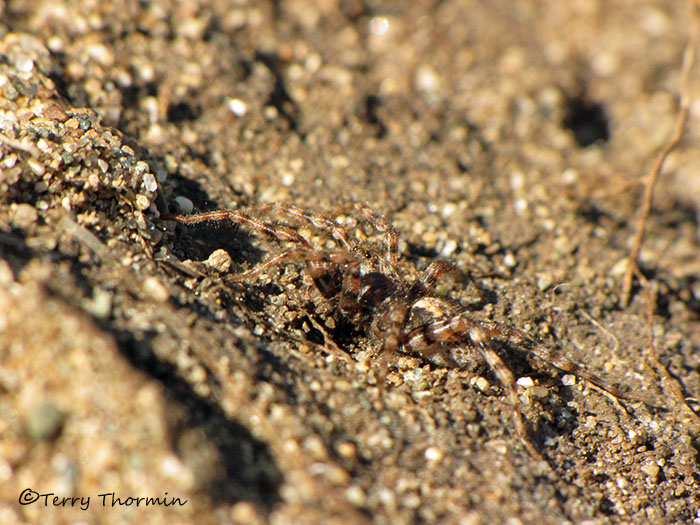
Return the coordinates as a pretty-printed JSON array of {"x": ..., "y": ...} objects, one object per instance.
[
  {"x": 150, "y": 182},
  {"x": 155, "y": 290},
  {"x": 220, "y": 260},
  {"x": 23, "y": 215},
  {"x": 526, "y": 382},
  {"x": 142, "y": 202},
  {"x": 481, "y": 384},
  {"x": 237, "y": 106},
  {"x": 100, "y": 305},
  {"x": 245, "y": 512},
  {"x": 619, "y": 268},
  {"x": 538, "y": 392},
  {"x": 184, "y": 204},
  {"x": 356, "y": 496},
  {"x": 652, "y": 470},
  {"x": 36, "y": 166},
  {"x": 43, "y": 421},
  {"x": 434, "y": 454},
  {"x": 24, "y": 64},
  {"x": 544, "y": 281},
  {"x": 347, "y": 449},
  {"x": 568, "y": 380}
]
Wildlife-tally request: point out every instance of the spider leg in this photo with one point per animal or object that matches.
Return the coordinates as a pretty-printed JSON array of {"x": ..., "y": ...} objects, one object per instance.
[
  {"x": 318, "y": 220},
  {"x": 472, "y": 333},
  {"x": 390, "y": 329},
  {"x": 507, "y": 379},
  {"x": 555, "y": 357},
  {"x": 316, "y": 261},
  {"x": 279, "y": 232},
  {"x": 311, "y": 257},
  {"x": 435, "y": 306}
]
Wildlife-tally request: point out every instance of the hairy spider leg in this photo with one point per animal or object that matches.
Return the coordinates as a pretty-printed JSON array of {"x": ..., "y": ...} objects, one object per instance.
[
  {"x": 507, "y": 379},
  {"x": 390, "y": 328},
  {"x": 554, "y": 357},
  {"x": 482, "y": 332},
  {"x": 319, "y": 272},
  {"x": 318, "y": 220},
  {"x": 280, "y": 232},
  {"x": 309, "y": 256}
]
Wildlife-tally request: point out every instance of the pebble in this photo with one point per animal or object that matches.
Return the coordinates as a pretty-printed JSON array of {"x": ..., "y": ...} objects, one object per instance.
[
  {"x": 356, "y": 496},
  {"x": 347, "y": 450},
  {"x": 36, "y": 166},
  {"x": 652, "y": 470},
  {"x": 481, "y": 384},
  {"x": 100, "y": 305},
  {"x": 538, "y": 392},
  {"x": 526, "y": 382},
  {"x": 220, "y": 260},
  {"x": 150, "y": 182},
  {"x": 434, "y": 454},
  {"x": 23, "y": 215},
  {"x": 568, "y": 380},
  {"x": 155, "y": 290},
  {"x": 142, "y": 202},
  {"x": 184, "y": 204},
  {"x": 43, "y": 421},
  {"x": 237, "y": 107}
]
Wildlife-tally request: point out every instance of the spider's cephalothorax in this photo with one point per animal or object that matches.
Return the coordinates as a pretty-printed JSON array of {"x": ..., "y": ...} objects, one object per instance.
[{"x": 372, "y": 291}]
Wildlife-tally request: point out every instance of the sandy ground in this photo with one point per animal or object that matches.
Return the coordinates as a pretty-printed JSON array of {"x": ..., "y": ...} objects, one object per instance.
[{"x": 506, "y": 136}]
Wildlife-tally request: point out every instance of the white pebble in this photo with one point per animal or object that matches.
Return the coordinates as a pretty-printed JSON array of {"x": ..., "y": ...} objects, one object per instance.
[
  {"x": 509, "y": 260},
  {"x": 569, "y": 176},
  {"x": 481, "y": 384},
  {"x": 433, "y": 454},
  {"x": 150, "y": 182},
  {"x": 526, "y": 382},
  {"x": 568, "y": 380},
  {"x": 142, "y": 202},
  {"x": 219, "y": 259},
  {"x": 449, "y": 248},
  {"x": 24, "y": 64},
  {"x": 184, "y": 204},
  {"x": 237, "y": 106},
  {"x": 356, "y": 496},
  {"x": 379, "y": 26}
]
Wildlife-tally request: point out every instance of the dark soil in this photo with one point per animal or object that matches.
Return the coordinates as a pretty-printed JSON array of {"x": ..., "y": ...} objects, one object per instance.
[{"x": 506, "y": 136}]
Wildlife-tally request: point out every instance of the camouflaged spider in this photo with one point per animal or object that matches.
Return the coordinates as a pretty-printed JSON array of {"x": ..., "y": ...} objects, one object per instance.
[{"x": 372, "y": 291}]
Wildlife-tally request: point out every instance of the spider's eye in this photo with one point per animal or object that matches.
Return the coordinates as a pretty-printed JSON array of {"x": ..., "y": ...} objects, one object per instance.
[{"x": 368, "y": 255}]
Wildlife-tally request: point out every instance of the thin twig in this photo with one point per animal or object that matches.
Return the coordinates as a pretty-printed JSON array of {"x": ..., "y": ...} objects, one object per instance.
[{"x": 678, "y": 128}]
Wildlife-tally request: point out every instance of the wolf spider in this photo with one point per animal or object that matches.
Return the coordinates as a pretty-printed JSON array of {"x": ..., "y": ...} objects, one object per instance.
[{"x": 372, "y": 291}]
